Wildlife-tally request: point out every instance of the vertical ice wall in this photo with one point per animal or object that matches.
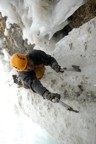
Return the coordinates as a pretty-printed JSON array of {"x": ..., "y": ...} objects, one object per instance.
[
  {"x": 39, "y": 18},
  {"x": 77, "y": 48}
]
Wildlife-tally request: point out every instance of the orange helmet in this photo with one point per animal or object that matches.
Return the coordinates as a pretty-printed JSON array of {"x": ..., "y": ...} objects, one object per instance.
[{"x": 19, "y": 61}]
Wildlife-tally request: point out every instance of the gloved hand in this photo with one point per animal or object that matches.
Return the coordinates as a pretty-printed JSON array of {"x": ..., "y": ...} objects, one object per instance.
[
  {"x": 17, "y": 81},
  {"x": 57, "y": 68},
  {"x": 54, "y": 97}
]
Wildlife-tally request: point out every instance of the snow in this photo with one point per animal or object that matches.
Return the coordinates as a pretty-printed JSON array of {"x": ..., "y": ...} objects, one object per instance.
[
  {"x": 20, "y": 129},
  {"x": 20, "y": 108}
]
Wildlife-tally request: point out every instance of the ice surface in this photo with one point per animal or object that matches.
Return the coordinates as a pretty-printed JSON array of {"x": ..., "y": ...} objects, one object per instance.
[
  {"x": 78, "y": 48},
  {"x": 39, "y": 18}
]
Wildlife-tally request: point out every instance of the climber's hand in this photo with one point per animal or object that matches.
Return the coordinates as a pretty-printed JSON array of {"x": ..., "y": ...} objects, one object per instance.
[
  {"x": 17, "y": 81},
  {"x": 54, "y": 97},
  {"x": 57, "y": 68},
  {"x": 61, "y": 69}
]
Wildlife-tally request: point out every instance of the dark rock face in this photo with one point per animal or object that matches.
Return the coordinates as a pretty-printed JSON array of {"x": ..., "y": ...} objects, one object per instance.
[
  {"x": 13, "y": 41},
  {"x": 2, "y": 25},
  {"x": 85, "y": 13}
]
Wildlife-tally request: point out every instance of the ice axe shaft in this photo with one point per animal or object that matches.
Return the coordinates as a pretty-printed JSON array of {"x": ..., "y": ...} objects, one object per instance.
[
  {"x": 73, "y": 68},
  {"x": 68, "y": 107}
]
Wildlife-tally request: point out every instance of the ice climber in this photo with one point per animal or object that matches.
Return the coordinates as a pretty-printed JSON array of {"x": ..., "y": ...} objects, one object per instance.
[{"x": 31, "y": 68}]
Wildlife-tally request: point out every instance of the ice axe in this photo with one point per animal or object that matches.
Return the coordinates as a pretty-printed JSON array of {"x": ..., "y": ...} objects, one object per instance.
[
  {"x": 74, "y": 68},
  {"x": 69, "y": 108}
]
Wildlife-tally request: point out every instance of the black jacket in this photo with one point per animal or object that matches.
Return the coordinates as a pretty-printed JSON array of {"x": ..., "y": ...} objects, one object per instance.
[{"x": 29, "y": 78}]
